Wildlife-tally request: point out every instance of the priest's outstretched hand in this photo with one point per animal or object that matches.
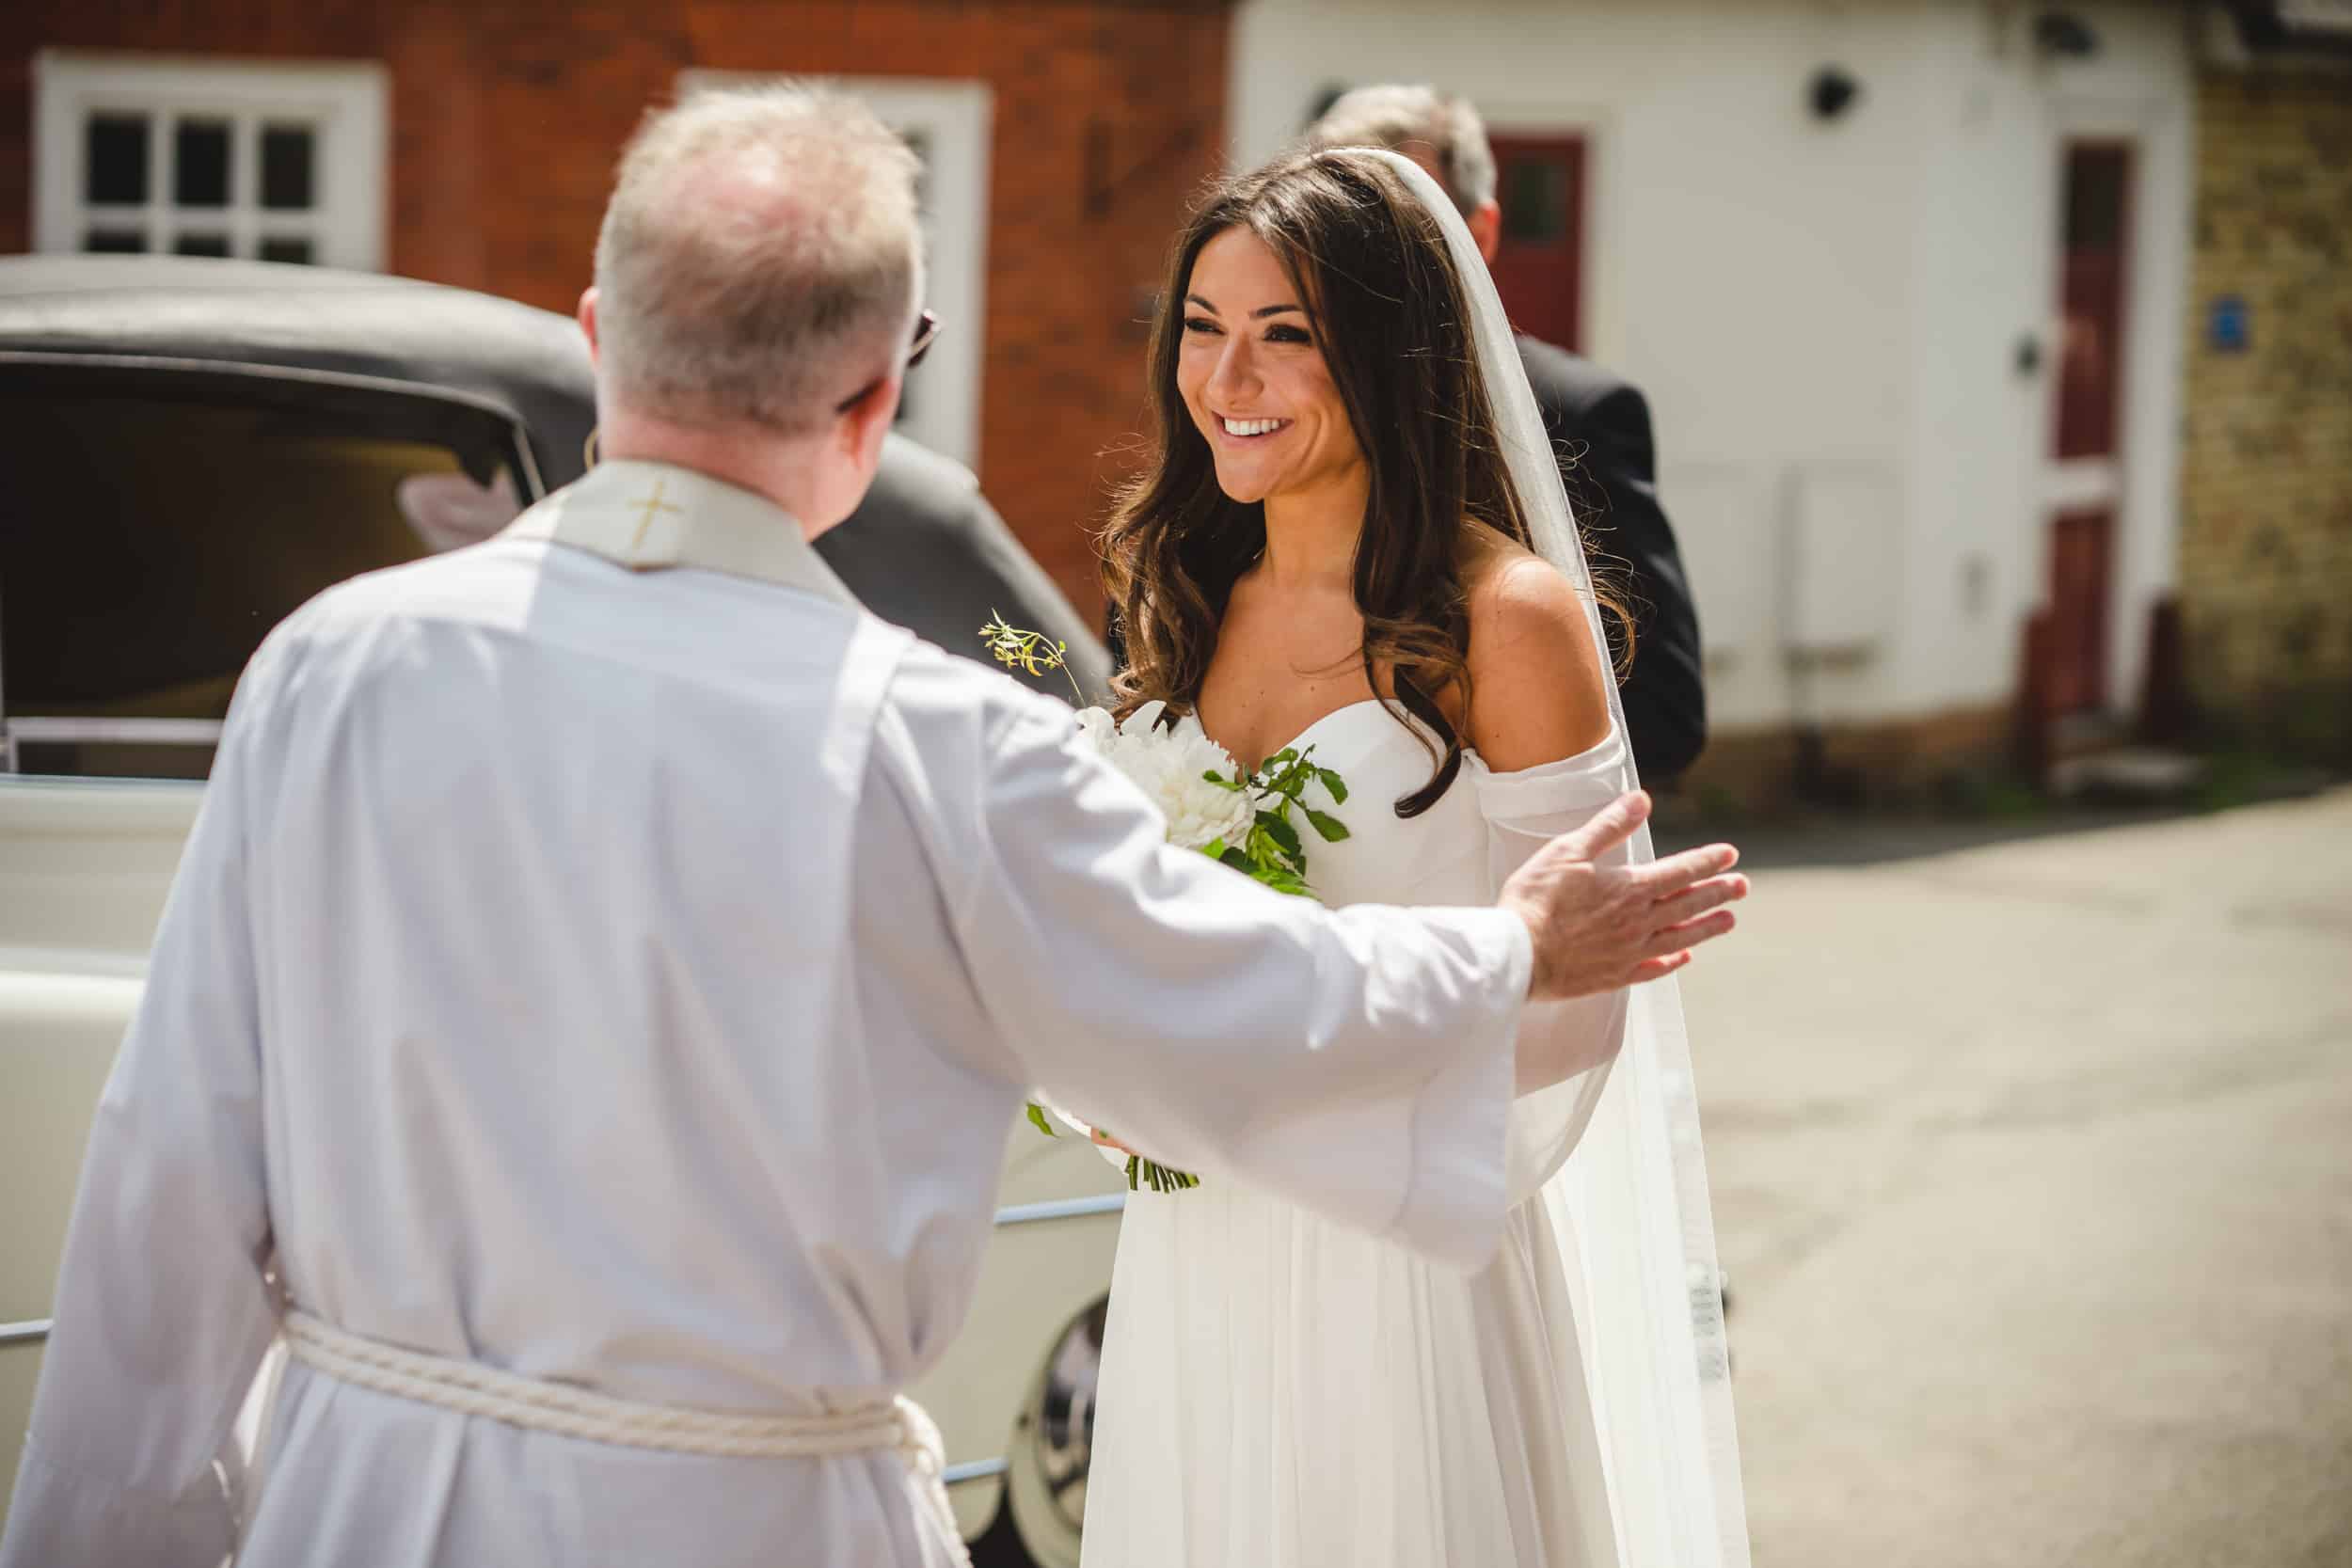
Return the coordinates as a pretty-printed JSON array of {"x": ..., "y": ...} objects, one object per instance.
[{"x": 1596, "y": 926}]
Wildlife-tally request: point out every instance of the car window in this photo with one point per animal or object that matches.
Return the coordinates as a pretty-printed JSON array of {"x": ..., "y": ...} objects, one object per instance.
[{"x": 156, "y": 523}]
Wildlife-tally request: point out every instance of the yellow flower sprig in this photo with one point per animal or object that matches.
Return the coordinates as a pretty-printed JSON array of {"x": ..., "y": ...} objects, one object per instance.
[{"x": 1032, "y": 651}]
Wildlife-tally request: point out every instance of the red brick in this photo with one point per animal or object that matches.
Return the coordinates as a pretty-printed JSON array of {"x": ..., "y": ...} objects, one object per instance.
[{"x": 506, "y": 118}]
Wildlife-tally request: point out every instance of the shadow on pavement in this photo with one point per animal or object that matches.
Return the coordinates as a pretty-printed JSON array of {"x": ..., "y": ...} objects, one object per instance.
[{"x": 1861, "y": 838}]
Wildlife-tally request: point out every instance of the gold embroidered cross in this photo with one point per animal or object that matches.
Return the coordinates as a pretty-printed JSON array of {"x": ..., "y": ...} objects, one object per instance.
[{"x": 652, "y": 505}]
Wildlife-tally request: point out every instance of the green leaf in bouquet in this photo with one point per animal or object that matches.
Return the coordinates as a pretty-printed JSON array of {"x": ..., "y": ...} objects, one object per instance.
[
  {"x": 1230, "y": 786},
  {"x": 1282, "y": 879},
  {"x": 1239, "y": 860},
  {"x": 1282, "y": 832},
  {"x": 1332, "y": 828},
  {"x": 1334, "y": 783},
  {"x": 1038, "y": 1120}
]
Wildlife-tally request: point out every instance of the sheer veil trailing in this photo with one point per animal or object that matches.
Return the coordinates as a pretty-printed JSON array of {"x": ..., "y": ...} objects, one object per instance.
[{"x": 1644, "y": 1278}]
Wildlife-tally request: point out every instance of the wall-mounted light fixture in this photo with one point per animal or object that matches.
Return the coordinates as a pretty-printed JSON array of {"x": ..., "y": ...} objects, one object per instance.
[
  {"x": 1831, "y": 91},
  {"x": 2064, "y": 34}
]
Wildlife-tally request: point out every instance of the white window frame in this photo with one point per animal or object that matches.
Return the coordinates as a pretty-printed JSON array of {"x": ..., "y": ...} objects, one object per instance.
[
  {"x": 344, "y": 101},
  {"x": 951, "y": 118}
]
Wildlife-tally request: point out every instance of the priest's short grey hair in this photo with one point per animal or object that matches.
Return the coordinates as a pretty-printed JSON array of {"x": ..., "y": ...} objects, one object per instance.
[
  {"x": 760, "y": 258},
  {"x": 1395, "y": 114}
]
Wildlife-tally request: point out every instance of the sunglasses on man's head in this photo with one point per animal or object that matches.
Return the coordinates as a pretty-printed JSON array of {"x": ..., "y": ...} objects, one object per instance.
[{"x": 926, "y": 330}]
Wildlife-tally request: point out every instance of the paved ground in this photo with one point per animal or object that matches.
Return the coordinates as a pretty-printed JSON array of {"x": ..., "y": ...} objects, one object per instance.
[{"x": 2033, "y": 1170}]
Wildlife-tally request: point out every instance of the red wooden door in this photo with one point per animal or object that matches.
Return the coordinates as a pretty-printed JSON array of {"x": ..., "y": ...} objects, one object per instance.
[
  {"x": 2091, "y": 298},
  {"x": 2093, "y": 274},
  {"x": 2082, "y": 547},
  {"x": 1540, "y": 266}
]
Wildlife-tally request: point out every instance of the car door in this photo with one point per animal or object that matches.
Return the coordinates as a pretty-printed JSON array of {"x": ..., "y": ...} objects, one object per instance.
[{"x": 157, "y": 520}]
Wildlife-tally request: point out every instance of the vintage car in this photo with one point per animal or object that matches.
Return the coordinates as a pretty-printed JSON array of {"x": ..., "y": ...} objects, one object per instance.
[{"x": 194, "y": 447}]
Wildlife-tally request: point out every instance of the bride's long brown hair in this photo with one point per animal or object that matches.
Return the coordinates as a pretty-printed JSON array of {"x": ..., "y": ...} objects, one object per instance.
[{"x": 1371, "y": 264}]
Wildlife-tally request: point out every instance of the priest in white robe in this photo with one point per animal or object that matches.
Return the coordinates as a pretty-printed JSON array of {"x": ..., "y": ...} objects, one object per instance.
[{"x": 589, "y": 1011}]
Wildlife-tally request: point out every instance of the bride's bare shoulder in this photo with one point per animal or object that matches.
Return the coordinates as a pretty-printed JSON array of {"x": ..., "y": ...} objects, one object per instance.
[{"x": 1538, "y": 689}]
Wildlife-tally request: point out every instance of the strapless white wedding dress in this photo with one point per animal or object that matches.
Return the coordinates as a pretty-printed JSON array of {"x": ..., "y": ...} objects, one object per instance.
[{"x": 1280, "y": 1392}]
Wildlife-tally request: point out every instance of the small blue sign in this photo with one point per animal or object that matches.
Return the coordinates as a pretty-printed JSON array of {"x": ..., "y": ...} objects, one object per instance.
[{"x": 2229, "y": 327}]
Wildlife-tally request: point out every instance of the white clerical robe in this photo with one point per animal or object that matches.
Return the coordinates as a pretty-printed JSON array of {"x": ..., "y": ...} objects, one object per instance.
[{"x": 624, "y": 977}]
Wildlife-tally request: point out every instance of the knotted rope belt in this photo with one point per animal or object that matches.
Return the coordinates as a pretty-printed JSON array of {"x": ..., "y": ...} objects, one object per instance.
[{"x": 474, "y": 1390}]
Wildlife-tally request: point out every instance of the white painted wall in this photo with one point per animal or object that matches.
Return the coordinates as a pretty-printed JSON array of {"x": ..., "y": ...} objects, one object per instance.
[
  {"x": 1824, "y": 316},
  {"x": 1988, "y": 234}
]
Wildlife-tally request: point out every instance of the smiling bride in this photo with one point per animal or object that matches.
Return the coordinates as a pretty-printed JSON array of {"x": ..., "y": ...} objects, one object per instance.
[{"x": 1354, "y": 538}]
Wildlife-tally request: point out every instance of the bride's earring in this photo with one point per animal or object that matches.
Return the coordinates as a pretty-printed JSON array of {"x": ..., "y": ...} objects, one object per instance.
[{"x": 588, "y": 449}]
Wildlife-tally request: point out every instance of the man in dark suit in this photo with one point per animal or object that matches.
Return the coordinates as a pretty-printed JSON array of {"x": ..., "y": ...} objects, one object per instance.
[{"x": 1599, "y": 425}]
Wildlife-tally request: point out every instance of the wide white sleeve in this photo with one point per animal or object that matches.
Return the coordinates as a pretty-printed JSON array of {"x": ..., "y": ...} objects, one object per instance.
[
  {"x": 161, "y": 1313},
  {"x": 1356, "y": 1062},
  {"x": 1525, "y": 810}
]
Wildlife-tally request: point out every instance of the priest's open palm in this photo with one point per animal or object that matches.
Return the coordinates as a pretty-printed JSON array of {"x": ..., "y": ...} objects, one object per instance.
[{"x": 1599, "y": 927}]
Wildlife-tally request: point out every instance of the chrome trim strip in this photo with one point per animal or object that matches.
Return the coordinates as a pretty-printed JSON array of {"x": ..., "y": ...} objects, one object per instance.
[
  {"x": 978, "y": 1470},
  {"x": 31, "y": 1331},
  {"x": 136, "y": 731},
  {"x": 1061, "y": 1209}
]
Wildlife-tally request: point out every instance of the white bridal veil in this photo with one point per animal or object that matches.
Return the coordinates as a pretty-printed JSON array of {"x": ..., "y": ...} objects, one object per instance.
[{"x": 1649, "y": 1310}]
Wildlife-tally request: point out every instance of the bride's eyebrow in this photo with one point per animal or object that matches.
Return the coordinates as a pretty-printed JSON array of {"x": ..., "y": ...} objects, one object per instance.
[{"x": 1259, "y": 314}]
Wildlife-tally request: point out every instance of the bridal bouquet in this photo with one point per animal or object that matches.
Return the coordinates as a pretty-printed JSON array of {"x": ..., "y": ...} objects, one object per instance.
[{"x": 1243, "y": 821}]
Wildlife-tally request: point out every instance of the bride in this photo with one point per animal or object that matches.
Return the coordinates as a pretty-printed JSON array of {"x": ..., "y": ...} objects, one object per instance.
[{"x": 1354, "y": 539}]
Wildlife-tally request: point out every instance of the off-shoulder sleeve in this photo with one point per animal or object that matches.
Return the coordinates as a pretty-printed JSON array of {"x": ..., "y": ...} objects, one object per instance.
[{"x": 1524, "y": 809}]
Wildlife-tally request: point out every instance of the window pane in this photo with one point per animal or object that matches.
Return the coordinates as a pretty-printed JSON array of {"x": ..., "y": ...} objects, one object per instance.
[
  {"x": 114, "y": 240},
  {"x": 115, "y": 149},
  {"x": 199, "y": 164},
  {"x": 1535, "y": 202},
  {"x": 286, "y": 250},
  {"x": 202, "y": 514},
  {"x": 286, "y": 151},
  {"x": 2096, "y": 180},
  {"x": 201, "y": 245}
]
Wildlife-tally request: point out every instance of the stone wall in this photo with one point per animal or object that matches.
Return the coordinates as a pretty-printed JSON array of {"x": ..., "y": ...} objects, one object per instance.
[{"x": 2266, "y": 463}]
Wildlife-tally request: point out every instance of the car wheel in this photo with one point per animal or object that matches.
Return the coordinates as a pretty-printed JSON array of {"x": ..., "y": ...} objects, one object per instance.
[{"x": 1053, "y": 1445}]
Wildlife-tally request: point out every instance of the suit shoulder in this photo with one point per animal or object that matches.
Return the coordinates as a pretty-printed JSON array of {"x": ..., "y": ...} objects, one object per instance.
[{"x": 1570, "y": 380}]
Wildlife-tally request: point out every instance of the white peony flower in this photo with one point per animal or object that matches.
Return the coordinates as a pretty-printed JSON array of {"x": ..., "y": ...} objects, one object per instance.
[{"x": 1167, "y": 762}]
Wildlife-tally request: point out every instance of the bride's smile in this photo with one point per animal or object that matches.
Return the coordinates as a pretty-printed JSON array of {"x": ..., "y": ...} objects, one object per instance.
[{"x": 1255, "y": 383}]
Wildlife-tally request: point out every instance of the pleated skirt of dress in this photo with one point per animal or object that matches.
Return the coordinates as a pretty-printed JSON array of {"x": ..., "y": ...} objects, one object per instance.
[{"x": 1280, "y": 1392}]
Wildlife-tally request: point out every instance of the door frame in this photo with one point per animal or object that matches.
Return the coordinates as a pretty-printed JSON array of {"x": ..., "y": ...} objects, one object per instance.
[
  {"x": 2145, "y": 488},
  {"x": 1576, "y": 150},
  {"x": 1599, "y": 321},
  {"x": 2080, "y": 487}
]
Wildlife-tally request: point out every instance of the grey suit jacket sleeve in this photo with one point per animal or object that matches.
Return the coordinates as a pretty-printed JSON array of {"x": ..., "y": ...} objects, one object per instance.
[{"x": 1600, "y": 426}]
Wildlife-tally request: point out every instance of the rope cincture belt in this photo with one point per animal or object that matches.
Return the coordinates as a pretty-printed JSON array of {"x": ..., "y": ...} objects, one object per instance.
[{"x": 474, "y": 1390}]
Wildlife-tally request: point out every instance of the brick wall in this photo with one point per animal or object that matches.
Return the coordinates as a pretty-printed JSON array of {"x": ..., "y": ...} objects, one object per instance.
[
  {"x": 506, "y": 120},
  {"x": 2267, "y": 468}
]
